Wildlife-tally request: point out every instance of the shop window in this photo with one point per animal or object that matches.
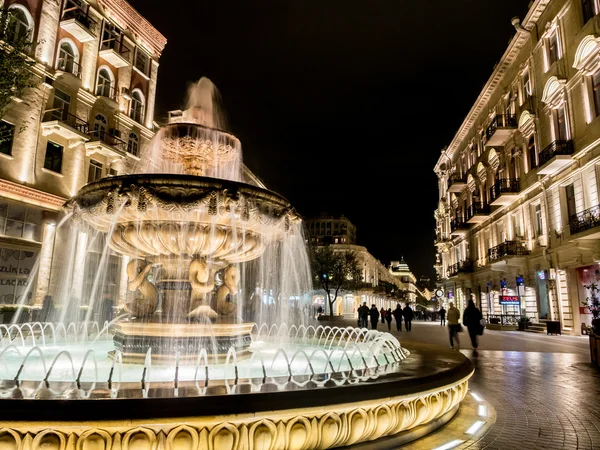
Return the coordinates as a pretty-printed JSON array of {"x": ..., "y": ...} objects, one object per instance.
[
  {"x": 53, "y": 158},
  {"x": 7, "y": 134},
  {"x": 20, "y": 221}
]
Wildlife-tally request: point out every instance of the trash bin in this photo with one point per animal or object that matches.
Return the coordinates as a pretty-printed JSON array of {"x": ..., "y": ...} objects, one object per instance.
[{"x": 553, "y": 327}]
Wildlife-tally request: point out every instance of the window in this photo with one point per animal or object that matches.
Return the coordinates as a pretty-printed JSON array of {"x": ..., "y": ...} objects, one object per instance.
[
  {"x": 112, "y": 172},
  {"x": 111, "y": 36},
  {"x": 99, "y": 126},
  {"x": 537, "y": 213},
  {"x": 94, "y": 171},
  {"x": 53, "y": 158},
  {"x": 20, "y": 221},
  {"x": 132, "y": 144},
  {"x": 142, "y": 61},
  {"x": 67, "y": 58},
  {"x": 7, "y": 134},
  {"x": 596, "y": 91},
  {"x": 570, "y": 195},
  {"x": 561, "y": 122},
  {"x": 137, "y": 107},
  {"x": 60, "y": 105},
  {"x": 104, "y": 86},
  {"x": 526, "y": 80},
  {"x": 553, "y": 48},
  {"x": 532, "y": 154},
  {"x": 20, "y": 24},
  {"x": 590, "y": 9}
]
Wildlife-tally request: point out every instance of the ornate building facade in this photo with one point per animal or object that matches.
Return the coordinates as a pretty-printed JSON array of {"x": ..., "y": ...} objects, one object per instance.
[
  {"x": 518, "y": 218},
  {"x": 89, "y": 116}
]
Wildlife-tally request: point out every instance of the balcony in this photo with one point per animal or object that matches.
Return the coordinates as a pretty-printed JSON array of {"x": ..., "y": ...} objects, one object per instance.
[
  {"x": 68, "y": 126},
  {"x": 504, "y": 192},
  {"x": 501, "y": 129},
  {"x": 78, "y": 23},
  {"x": 106, "y": 144},
  {"x": 456, "y": 183},
  {"x": 68, "y": 65},
  {"x": 458, "y": 226},
  {"x": 555, "y": 156},
  {"x": 586, "y": 223},
  {"x": 115, "y": 52},
  {"x": 465, "y": 266},
  {"x": 478, "y": 212},
  {"x": 509, "y": 253}
]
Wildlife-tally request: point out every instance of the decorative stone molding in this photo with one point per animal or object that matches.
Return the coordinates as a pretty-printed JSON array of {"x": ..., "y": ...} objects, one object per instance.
[
  {"x": 587, "y": 55},
  {"x": 527, "y": 123},
  {"x": 554, "y": 93},
  {"x": 318, "y": 427},
  {"x": 29, "y": 195}
]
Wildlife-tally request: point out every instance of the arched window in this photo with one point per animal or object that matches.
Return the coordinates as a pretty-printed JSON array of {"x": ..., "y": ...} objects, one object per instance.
[
  {"x": 20, "y": 24},
  {"x": 100, "y": 124},
  {"x": 132, "y": 144},
  {"x": 68, "y": 57},
  {"x": 137, "y": 106},
  {"x": 104, "y": 86}
]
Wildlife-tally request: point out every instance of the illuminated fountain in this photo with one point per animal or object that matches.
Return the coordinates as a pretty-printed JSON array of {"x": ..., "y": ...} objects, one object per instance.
[{"x": 193, "y": 346}]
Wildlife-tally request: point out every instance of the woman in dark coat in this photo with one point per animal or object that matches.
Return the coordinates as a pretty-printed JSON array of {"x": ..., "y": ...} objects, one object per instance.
[
  {"x": 398, "y": 317},
  {"x": 388, "y": 318},
  {"x": 472, "y": 320}
]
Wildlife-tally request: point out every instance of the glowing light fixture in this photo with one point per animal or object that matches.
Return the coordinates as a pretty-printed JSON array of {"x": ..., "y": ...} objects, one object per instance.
[
  {"x": 482, "y": 410},
  {"x": 475, "y": 427},
  {"x": 450, "y": 444},
  {"x": 476, "y": 397}
]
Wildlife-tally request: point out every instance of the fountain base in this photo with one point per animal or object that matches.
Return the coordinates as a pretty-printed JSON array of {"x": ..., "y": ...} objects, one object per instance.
[{"x": 133, "y": 339}]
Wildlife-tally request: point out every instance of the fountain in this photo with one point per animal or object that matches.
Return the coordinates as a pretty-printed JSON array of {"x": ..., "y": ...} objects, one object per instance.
[{"x": 212, "y": 334}]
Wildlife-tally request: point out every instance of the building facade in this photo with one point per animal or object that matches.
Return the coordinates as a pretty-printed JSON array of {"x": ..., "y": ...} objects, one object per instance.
[
  {"x": 518, "y": 218},
  {"x": 93, "y": 110},
  {"x": 406, "y": 279}
]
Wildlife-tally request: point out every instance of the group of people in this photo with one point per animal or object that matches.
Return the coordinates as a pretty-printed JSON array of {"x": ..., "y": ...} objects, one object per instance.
[
  {"x": 399, "y": 314},
  {"x": 472, "y": 319}
]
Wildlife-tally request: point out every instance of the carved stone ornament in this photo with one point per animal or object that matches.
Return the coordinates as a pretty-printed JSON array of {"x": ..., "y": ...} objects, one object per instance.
[{"x": 309, "y": 428}]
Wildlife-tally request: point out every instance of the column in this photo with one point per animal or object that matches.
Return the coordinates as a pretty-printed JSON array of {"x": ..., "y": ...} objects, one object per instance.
[
  {"x": 45, "y": 257},
  {"x": 151, "y": 94}
]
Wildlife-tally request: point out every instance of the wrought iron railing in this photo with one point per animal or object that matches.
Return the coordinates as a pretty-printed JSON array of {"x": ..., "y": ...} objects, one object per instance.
[
  {"x": 109, "y": 139},
  {"x": 441, "y": 237},
  {"x": 478, "y": 208},
  {"x": 456, "y": 178},
  {"x": 80, "y": 16},
  {"x": 69, "y": 65},
  {"x": 465, "y": 266},
  {"x": 501, "y": 121},
  {"x": 67, "y": 118},
  {"x": 118, "y": 46},
  {"x": 457, "y": 223},
  {"x": 504, "y": 186},
  {"x": 585, "y": 220},
  {"x": 559, "y": 147},
  {"x": 507, "y": 248}
]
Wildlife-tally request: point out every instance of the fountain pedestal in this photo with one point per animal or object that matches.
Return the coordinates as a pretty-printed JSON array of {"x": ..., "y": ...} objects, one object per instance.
[{"x": 133, "y": 339}]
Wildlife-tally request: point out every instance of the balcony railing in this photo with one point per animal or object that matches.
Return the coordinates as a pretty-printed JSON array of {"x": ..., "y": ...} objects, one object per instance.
[
  {"x": 456, "y": 179},
  {"x": 501, "y": 121},
  {"x": 80, "y": 16},
  {"x": 465, "y": 266},
  {"x": 504, "y": 186},
  {"x": 559, "y": 147},
  {"x": 478, "y": 208},
  {"x": 458, "y": 223},
  {"x": 118, "y": 46},
  {"x": 585, "y": 220},
  {"x": 68, "y": 119},
  {"x": 109, "y": 139},
  {"x": 440, "y": 238},
  {"x": 507, "y": 248},
  {"x": 69, "y": 65}
]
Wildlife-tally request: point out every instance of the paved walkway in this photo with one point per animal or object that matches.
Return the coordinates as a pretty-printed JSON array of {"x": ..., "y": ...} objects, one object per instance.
[{"x": 544, "y": 391}]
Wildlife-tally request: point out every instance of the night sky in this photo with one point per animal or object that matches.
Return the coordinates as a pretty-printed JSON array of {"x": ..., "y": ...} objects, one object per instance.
[{"x": 341, "y": 106}]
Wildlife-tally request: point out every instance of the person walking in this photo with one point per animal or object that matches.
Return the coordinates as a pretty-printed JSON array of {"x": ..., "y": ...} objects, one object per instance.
[
  {"x": 382, "y": 314},
  {"x": 408, "y": 314},
  {"x": 472, "y": 320},
  {"x": 388, "y": 318},
  {"x": 398, "y": 316},
  {"x": 454, "y": 326},
  {"x": 363, "y": 316},
  {"x": 374, "y": 313},
  {"x": 443, "y": 316}
]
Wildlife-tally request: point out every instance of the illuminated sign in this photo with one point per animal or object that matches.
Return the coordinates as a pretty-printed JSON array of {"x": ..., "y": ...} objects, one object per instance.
[
  {"x": 520, "y": 281},
  {"x": 541, "y": 275},
  {"x": 450, "y": 294},
  {"x": 509, "y": 300}
]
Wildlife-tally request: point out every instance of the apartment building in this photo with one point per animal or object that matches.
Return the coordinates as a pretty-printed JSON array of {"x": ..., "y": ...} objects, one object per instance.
[
  {"x": 93, "y": 110},
  {"x": 406, "y": 279},
  {"x": 518, "y": 218}
]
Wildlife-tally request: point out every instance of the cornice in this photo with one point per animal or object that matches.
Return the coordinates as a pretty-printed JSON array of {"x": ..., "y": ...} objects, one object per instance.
[{"x": 30, "y": 195}]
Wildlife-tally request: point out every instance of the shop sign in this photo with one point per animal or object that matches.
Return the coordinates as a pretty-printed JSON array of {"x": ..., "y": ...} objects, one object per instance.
[{"x": 509, "y": 300}]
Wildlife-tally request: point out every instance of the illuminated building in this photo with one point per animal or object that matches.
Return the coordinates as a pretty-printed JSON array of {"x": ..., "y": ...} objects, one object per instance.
[
  {"x": 87, "y": 119},
  {"x": 518, "y": 210}
]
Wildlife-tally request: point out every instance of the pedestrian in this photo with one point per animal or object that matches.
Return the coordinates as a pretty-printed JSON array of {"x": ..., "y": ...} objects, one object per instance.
[
  {"x": 363, "y": 316},
  {"x": 382, "y": 314},
  {"x": 374, "y": 313},
  {"x": 388, "y": 318},
  {"x": 408, "y": 314},
  {"x": 398, "y": 316},
  {"x": 443, "y": 316},
  {"x": 454, "y": 326},
  {"x": 472, "y": 320}
]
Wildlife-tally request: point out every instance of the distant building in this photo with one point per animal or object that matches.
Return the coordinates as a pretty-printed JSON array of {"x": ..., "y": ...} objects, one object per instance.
[
  {"x": 326, "y": 229},
  {"x": 406, "y": 279}
]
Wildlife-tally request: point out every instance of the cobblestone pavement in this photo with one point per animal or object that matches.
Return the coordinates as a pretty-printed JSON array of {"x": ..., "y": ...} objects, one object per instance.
[{"x": 544, "y": 390}]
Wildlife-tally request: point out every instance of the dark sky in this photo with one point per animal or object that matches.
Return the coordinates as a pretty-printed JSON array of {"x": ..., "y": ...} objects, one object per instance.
[{"x": 341, "y": 106}]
